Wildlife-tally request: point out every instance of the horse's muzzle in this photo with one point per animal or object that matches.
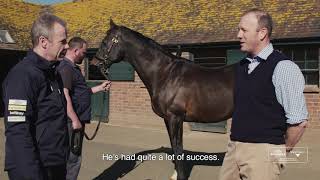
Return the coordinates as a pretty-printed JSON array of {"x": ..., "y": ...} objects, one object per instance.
[{"x": 103, "y": 66}]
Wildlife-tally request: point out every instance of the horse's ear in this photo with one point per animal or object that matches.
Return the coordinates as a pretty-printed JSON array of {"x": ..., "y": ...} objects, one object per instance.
[{"x": 112, "y": 24}]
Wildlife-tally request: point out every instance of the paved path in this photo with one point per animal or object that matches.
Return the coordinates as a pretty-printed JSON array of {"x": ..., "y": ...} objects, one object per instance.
[{"x": 137, "y": 143}]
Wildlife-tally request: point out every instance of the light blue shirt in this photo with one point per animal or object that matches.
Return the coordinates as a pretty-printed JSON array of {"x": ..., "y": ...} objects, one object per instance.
[{"x": 289, "y": 84}]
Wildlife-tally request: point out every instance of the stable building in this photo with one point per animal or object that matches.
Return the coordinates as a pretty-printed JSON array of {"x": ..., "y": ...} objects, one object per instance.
[{"x": 206, "y": 33}]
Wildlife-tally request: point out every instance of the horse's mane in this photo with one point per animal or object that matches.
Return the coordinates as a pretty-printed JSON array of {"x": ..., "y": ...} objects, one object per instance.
[
  {"x": 153, "y": 44},
  {"x": 146, "y": 41}
]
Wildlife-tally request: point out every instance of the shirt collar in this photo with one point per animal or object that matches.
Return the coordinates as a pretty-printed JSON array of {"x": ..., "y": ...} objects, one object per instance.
[{"x": 263, "y": 54}]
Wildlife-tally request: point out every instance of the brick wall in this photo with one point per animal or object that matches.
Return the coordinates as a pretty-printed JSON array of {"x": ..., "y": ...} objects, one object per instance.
[
  {"x": 313, "y": 105},
  {"x": 130, "y": 105}
]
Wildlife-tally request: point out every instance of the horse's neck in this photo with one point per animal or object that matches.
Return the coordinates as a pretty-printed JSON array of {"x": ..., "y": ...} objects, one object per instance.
[{"x": 150, "y": 63}]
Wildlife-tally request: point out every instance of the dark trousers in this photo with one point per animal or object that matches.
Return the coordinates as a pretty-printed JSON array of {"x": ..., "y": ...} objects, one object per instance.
[
  {"x": 47, "y": 173},
  {"x": 74, "y": 160}
]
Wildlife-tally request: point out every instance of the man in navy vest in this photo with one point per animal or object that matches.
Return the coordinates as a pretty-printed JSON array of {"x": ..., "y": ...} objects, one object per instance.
[
  {"x": 78, "y": 96},
  {"x": 270, "y": 112}
]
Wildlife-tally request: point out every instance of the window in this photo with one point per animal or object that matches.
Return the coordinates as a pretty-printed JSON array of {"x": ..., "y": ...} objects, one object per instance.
[
  {"x": 210, "y": 61},
  {"x": 210, "y": 57},
  {"x": 5, "y": 37},
  {"x": 307, "y": 58}
]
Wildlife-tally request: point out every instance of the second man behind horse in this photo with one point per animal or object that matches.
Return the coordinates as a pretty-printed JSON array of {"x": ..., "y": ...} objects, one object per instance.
[{"x": 78, "y": 96}]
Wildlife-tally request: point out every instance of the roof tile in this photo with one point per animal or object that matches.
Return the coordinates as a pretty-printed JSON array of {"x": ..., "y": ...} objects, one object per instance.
[{"x": 166, "y": 21}]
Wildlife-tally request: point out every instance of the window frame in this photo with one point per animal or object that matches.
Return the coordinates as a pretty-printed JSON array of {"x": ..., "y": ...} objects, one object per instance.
[{"x": 305, "y": 71}]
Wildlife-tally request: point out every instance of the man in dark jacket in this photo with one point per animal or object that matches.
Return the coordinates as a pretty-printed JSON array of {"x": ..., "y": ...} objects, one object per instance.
[
  {"x": 35, "y": 107},
  {"x": 78, "y": 96}
]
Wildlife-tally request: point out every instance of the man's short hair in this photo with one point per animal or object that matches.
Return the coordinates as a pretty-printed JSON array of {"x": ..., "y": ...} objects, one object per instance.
[
  {"x": 43, "y": 26},
  {"x": 76, "y": 42},
  {"x": 264, "y": 19}
]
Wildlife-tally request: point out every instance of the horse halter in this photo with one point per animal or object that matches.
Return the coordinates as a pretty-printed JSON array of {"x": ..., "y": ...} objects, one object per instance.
[
  {"x": 114, "y": 41},
  {"x": 104, "y": 64}
]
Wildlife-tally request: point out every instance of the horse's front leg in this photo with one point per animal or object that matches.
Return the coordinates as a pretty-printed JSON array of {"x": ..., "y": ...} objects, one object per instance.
[{"x": 174, "y": 126}]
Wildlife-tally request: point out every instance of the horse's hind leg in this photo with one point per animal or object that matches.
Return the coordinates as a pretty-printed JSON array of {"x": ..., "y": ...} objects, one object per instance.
[{"x": 174, "y": 126}]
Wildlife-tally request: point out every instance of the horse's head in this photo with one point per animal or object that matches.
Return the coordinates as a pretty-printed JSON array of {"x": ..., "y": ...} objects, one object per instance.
[{"x": 109, "y": 51}]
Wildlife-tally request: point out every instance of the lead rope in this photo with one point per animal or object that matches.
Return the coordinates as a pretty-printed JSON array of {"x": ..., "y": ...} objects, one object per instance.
[{"x": 105, "y": 73}]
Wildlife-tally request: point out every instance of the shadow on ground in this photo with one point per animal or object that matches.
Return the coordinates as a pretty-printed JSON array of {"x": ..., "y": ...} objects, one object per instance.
[{"x": 122, "y": 167}]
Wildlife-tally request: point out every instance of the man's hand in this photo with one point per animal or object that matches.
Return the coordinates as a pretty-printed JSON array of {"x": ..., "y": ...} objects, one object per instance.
[
  {"x": 105, "y": 86},
  {"x": 70, "y": 111},
  {"x": 293, "y": 135},
  {"x": 76, "y": 124}
]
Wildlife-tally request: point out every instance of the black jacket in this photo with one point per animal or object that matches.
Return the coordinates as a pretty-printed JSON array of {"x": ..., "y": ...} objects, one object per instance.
[{"x": 35, "y": 117}]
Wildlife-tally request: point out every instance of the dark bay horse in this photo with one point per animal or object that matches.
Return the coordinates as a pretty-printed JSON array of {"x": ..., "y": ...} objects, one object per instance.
[{"x": 180, "y": 91}]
